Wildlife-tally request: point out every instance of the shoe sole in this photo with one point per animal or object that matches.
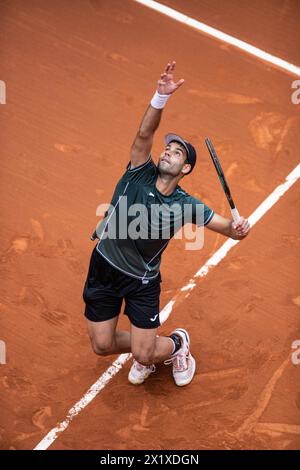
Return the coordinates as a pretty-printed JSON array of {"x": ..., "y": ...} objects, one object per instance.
[{"x": 194, "y": 370}]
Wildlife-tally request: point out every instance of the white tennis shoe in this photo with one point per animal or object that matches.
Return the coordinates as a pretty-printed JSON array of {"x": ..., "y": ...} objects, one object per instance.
[
  {"x": 184, "y": 365},
  {"x": 139, "y": 373}
]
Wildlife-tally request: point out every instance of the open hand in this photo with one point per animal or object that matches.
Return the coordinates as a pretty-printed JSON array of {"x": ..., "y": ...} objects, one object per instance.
[{"x": 166, "y": 84}]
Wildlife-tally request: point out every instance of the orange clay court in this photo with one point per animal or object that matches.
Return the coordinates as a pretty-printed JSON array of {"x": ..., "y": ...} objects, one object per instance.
[{"x": 78, "y": 77}]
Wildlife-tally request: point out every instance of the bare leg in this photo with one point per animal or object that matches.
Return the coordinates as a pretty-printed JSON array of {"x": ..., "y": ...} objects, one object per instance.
[
  {"x": 164, "y": 347},
  {"x": 147, "y": 348},
  {"x": 106, "y": 340}
]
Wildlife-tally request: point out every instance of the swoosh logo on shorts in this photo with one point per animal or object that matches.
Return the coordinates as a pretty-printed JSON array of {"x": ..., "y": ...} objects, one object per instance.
[{"x": 154, "y": 318}]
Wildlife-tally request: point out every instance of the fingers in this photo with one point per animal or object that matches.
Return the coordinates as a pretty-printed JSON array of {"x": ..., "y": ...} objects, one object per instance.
[
  {"x": 242, "y": 227},
  {"x": 241, "y": 224},
  {"x": 166, "y": 81},
  {"x": 238, "y": 224},
  {"x": 170, "y": 67},
  {"x": 179, "y": 83}
]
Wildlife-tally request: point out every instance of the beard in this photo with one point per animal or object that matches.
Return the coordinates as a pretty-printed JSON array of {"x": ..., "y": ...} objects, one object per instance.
[{"x": 165, "y": 169}]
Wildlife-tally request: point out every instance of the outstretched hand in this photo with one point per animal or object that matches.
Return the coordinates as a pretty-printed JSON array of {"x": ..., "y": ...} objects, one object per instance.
[{"x": 166, "y": 84}]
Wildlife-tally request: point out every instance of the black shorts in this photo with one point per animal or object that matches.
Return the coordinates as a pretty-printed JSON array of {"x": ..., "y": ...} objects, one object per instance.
[{"x": 106, "y": 287}]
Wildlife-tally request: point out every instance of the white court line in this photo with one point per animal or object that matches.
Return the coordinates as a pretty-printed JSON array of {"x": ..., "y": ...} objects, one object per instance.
[
  {"x": 221, "y": 252},
  {"x": 176, "y": 15},
  {"x": 166, "y": 311}
]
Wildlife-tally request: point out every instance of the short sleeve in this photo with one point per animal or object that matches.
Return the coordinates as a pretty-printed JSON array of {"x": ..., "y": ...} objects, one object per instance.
[
  {"x": 199, "y": 213},
  {"x": 142, "y": 174}
]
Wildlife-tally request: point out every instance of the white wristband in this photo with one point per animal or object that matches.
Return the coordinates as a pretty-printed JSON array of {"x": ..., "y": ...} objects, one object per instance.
[{"x": 159, "y": 101}]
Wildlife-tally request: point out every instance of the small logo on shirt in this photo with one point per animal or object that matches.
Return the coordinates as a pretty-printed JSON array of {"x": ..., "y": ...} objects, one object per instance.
[
  {"x": 154, "y": 318},
  {"x": 151, "y": 194}
]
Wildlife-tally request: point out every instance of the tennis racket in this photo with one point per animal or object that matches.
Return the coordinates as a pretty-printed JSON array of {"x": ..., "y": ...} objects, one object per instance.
[{"x": 234, "y": 212}]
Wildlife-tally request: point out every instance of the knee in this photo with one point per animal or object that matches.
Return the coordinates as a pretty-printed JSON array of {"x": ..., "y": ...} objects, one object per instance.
[
  {"x": 101, "y": 348},
  {"x": 145, "y": 357}
]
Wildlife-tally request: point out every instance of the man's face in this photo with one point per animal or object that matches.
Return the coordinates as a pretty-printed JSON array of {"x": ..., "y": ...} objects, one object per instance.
[{"x": 172, "y": 160}]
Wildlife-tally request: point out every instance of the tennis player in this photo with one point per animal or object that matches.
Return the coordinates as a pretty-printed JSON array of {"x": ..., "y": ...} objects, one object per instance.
[{"x": 127, "y": 267}]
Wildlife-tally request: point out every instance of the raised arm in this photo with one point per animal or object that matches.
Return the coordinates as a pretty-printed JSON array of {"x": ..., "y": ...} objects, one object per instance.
[
  {"x": 142, "y": 143},
  {"x": 228, "y": 228}
]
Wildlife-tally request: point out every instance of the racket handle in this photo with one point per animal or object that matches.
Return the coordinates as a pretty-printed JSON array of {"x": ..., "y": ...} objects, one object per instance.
[
  {"x": 235, "y": 215},
  {"x": 94, "y": 236}
]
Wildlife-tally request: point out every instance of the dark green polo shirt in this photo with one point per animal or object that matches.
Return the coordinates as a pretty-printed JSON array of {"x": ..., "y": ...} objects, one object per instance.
[{"x": 141, "y": 221}]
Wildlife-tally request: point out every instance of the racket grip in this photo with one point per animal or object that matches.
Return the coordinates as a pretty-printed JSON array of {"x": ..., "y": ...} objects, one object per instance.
[
  {"x": 94, "y": 236},
  {"x": 235, "y": 215}
]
